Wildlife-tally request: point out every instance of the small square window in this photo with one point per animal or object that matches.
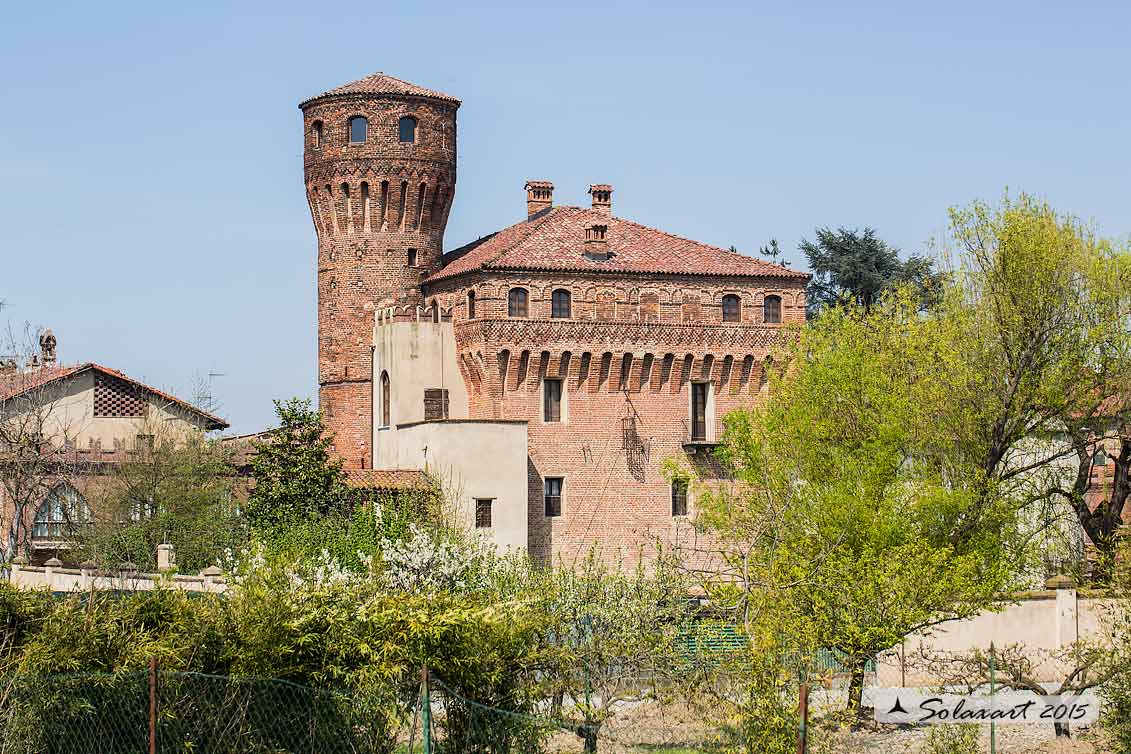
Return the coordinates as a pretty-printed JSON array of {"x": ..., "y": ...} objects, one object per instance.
[
  {"x": 553, "y": 496},
  {"x": 679, "y": 497},
  {"x": 483, "y": 512}
]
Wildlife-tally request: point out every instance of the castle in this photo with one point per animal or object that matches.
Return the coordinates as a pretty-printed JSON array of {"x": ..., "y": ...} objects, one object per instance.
[{"x": 542, "y": 372}]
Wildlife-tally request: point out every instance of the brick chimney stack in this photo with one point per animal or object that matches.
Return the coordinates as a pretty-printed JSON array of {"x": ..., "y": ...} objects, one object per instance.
[
  {"x": 602, "y": 194},
  {"x": 47, "y": 345},
  {"x": 597, "y": 242},
  {"x": 539, "y": 197}
]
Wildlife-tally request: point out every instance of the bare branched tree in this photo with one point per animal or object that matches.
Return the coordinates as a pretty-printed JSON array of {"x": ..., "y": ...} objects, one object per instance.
[{"x": 37, "y": 438}]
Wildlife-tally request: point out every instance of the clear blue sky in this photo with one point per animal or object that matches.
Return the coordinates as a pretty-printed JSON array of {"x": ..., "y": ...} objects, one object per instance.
[{"x": 153, "y": 210}]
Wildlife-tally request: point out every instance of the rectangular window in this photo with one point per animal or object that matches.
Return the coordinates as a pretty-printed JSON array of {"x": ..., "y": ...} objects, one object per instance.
[
  {"x": 412, "y": 257},
  {"x": 552, "y": 400},
  {"x": 553, "y": 496},
  {"x": 483, "y": 512},
  {"x": 699, "y": 411},
  {"x": 679, "y": 497},
  {"x": 435, "y": 404}
]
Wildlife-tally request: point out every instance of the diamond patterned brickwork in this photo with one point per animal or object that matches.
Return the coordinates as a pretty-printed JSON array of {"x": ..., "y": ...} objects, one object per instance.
[
  {"x": 627, "y": 359},
  {"x": 117, "y": 398}
]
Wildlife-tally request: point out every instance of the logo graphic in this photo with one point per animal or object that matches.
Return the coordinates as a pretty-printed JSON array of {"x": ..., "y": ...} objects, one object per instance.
[{"x": 920, "y": 707}]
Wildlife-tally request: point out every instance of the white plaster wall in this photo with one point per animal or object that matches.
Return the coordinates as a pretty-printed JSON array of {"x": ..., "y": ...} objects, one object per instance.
[
  {"x": 472, "y": 459},
  {"x": 68, "y": 411},
  {"x": 417, "y": 355},
  {"x": 1044, "y": 623}
]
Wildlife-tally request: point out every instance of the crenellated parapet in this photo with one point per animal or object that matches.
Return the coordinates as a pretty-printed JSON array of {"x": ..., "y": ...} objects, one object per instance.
[{"x": 433, "y": 312}]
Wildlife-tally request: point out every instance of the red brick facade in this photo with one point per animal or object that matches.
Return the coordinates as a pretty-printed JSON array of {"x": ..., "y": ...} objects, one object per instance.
[
  {"x": 639, "y": 320},
  {"x": 626, "y": 383},
  {"x": 380, "y": 206}
]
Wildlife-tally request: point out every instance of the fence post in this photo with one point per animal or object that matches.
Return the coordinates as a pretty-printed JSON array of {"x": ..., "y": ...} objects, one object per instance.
[
  {"x": 152, "y": 705},
  {"x": 993, "y": 727},
  {"x": 803, "y": 709},
  {"x": 425, "y": 710}
]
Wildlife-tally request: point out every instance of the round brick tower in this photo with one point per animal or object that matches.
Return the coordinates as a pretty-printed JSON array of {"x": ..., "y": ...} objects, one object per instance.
[{"x": 380, "y": 171}]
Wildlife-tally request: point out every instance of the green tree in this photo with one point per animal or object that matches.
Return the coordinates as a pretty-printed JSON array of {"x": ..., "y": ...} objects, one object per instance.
[
  {"x": 295, "y": 477},
  {"x": 841, "y": 523},
  {"x": 181, "y": 488},
  {"x": 858, "y": 266},
  {"x": 1046, "y": 304}
]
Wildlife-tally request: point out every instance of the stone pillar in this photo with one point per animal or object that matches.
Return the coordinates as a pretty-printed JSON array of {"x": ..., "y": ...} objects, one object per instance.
[
  {"x": 166, "y": 558},
  {"x": 89, "y": 572},
  {"x": 1065, "y": 631},
  {"x": 210, "y": 574},
  {"x": 49, "y": 572}
]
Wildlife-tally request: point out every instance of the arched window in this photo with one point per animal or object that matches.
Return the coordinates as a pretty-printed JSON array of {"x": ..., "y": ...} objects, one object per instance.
[
  {"x": 516, "y": 302},
  {"x": 61, "y": 512},
  {"x": 732, "y": 308},
  {"x": 1099, "y": 458},
  {"x": 316, "y": 134},
  {"x": 771, "y": 310},
  {"x": 385, "y": 399},
  {"x": 359, "y": 129},
  {"x": 406, "y": 127},
  {"x": 561, "y": 304},
  {"x": 471, "y": 304}
]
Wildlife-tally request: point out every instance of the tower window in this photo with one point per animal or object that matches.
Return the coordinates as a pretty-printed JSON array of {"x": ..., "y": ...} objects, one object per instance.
[
  {"x": 412, "y": 257},
  {"x": 552, "y": 400},
  {"x": 699, "y": 411},
  {"x": 471, "y": 304},
  {"x": 732, "y": 308},
  {"x": 560, "y": 307},
  {"x": 359, "y": 129},
  {"x": 552, "y": 496},
  {"x": 407, "y": 128},
  {"x": 516, "y": 302},
  {"x": 483, "y": 512},
  {"x": 679, "y": 497},
  {"x": 385, "y": 396},
  {"x": 771, "y": 310},
  {"x": 316, "y": 134}
]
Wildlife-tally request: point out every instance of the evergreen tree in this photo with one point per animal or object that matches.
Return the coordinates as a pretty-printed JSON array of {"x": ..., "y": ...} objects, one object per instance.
[
  {"x": 857, "y": 266},
  {"x": 295, "y": 477}
]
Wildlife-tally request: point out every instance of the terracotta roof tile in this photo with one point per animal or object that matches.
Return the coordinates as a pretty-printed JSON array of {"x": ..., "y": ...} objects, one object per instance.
[
  {"x": 381, "y": 83},
  {"x": 387, "y": 479},
  {"x": 553, "y": 240},
  {"x": 12, "y": 385}
]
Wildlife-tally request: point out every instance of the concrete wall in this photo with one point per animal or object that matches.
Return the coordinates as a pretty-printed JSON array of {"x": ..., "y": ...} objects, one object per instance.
[
  {"x": 473, "y": 459},
  {"x": 418, "y": 355},
  {"x": 1044, "y": 622},
  {"x": 60, "y": 579}
]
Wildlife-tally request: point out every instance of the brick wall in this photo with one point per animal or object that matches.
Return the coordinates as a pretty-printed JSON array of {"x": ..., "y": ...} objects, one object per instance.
[
  {"x": 627, "y": 375},
  {"x": 371, "y": 204}
]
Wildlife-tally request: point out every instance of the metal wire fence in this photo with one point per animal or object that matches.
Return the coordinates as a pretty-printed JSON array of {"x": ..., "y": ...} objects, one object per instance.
[{"x": 144, "y": 713}]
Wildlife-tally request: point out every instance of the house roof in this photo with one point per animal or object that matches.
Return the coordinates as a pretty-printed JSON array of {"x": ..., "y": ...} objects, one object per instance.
[
  {"x": 387, "y": 479},
  {"x": 12, "y": 385},
  {"x": 382, "y": 83},
  {"x": 554, "y": 240}
]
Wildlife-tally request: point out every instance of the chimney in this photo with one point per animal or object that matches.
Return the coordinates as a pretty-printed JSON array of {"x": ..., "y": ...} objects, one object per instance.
[
  {"x": 539, "y": 197},
  {"x": 47, "y": 345},
  {"x": 602, "y": 194},
  {"x": 597, "y": 242}
]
